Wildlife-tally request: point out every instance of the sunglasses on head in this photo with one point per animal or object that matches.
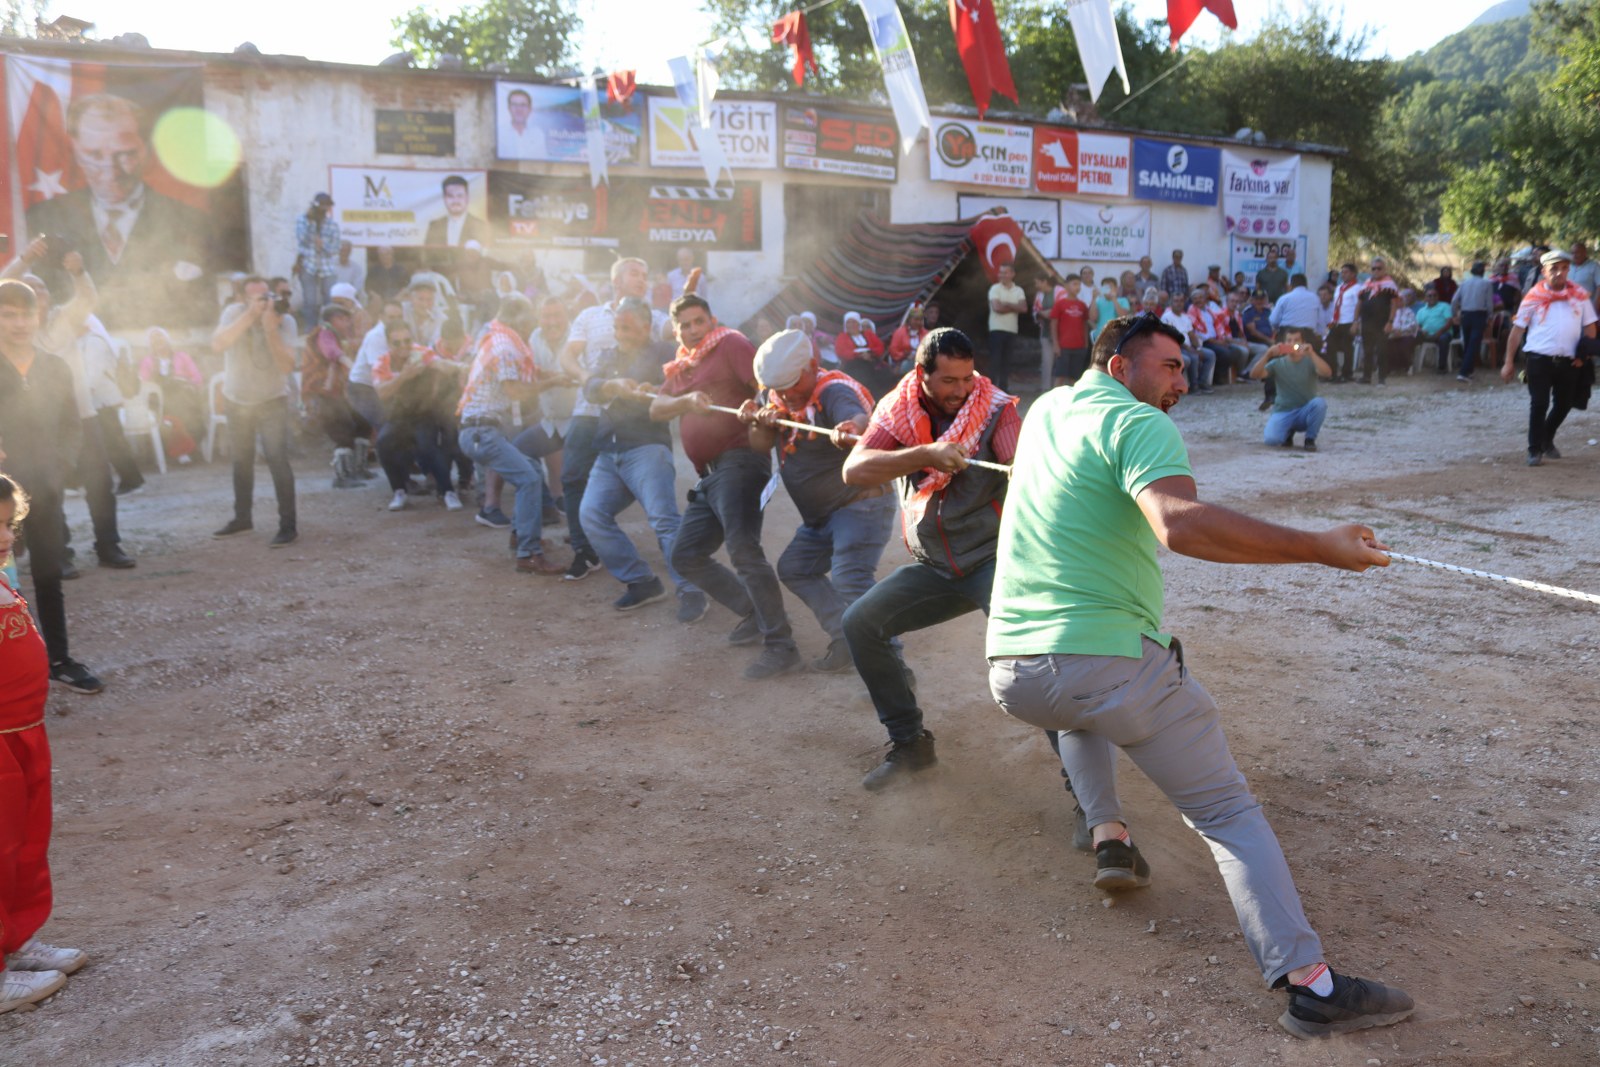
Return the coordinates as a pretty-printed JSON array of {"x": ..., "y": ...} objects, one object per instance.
[{"x": 1142, "y": 323}]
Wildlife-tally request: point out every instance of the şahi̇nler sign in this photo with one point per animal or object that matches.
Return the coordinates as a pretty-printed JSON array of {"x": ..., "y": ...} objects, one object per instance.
[{"x": 125, "y": 167}]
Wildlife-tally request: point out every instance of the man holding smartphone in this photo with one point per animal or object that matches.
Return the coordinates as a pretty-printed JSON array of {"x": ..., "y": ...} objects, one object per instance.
[
  {"x": 256, "y": 340},
  {"x": 1294, "y": 368}
]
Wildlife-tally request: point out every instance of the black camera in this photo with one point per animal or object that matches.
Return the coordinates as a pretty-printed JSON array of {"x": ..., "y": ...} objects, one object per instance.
[{"x": 280, "y": 304}]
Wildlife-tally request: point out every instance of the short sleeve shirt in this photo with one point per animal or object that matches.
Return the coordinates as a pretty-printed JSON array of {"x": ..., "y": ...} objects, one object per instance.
[
  {"x": 813, "y": 473},
  {"x": 1077, "y": 571},
  {"x": 1296, "y": 382},
  {"x": 1556, "y": 330},
  {"x": 249, "y": 373},
  {"x": 1010, "y": 294},
  {"x": 499, "y": 359},
  {"x": 1072, "y": 322}
]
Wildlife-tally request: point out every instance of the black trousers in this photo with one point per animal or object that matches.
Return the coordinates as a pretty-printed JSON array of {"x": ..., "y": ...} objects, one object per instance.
[
  {"x": 1341, "y": 341},
  {"x": 44, "y": 535},
  {"x": 1552, "y": 386},
  {"x": 1001, "y": 345},
  {"x": 118, "y": 451},
  {"x": 94, "y": 474}
]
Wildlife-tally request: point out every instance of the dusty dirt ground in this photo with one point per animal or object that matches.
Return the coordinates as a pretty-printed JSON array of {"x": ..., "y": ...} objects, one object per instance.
[{"x": 378, "y": 800}]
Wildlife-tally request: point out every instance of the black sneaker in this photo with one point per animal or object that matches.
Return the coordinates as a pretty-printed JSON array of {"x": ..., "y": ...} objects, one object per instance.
[
  {"x": 1551, "y": 453},
  {"x": 584, "y": 562},
  {"x": 748, "y": 632},
  {"x": 286, "y": 536},
  {"x": 75, "y": 676},
  {"x": 1118, "y": 866},
  {"x": 903, "y": 759},
  {"x": 493, "y": 518},
  {"x": 836, "y": 660},
  {"x": 1534, "y": 458},
  {"x": 1354, "y": 1004},
  {"x": 235, "y": 526},
  {"x": 638, "y": 595},
  {"x": 1311, "y": 444},
  {"x": 692, "y": 606},
  {"x": 115, "y": 558},
  {"x": 773, "y": 661},
  {"x": 1265, "y": 405}
]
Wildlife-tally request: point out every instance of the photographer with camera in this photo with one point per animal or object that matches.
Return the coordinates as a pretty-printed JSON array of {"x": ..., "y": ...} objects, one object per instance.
[
  {"x": 1294, "y": 367},
  {"x": 256, "y": 339},
  {"x": 317, "y": 248}
]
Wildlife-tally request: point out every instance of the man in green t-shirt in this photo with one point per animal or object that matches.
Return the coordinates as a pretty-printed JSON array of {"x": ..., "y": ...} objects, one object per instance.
[
  {"x": 1075, "y": 644},
  {"x": 1294, "y": 367}
]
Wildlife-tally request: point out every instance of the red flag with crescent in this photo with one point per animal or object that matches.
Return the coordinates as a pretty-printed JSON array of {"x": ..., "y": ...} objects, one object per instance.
[
  {"x": 620, "y": 85},
  {"x": 792, "y": 31},
  {"x": 996, "y": 239}
]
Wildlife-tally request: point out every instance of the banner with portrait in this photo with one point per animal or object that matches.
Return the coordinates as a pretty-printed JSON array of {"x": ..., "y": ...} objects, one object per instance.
[
  {"x": 406, "y": 208},
  {"x": 121, "y": 168},
  {"x": 544, "y": 124}
]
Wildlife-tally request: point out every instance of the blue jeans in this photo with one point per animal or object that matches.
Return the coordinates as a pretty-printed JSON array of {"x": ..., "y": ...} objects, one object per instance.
[
  {"x": 1473, "y": 323},
  {"x": 404, "y": 440},
  {"x": 487, "y": 446},
  {"x": 617, "y": 479},
  {"x": 849, "y": 543},
  {"x": 914, "y": 597},
  {"x": 313, "y": 295},
  {"x": 1283, "y": 425},
  {"x": 1199, "y": 365},
  {"x": 726, "y": 506}
]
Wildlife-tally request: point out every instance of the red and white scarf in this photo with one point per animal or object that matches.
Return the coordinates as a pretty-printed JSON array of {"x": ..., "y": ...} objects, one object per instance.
[
  {"x": 486, "y": 361},
  {"x": 902, "y": 416},
  {"x": 1197, "y": 318},
  {"x": 1541, "y": 296},
  {"x": 383, "y": 371},
  {"x": 686, "y": 360},
  {"x": 1375, "y": 286},
  {"x": 1338, "y": 299},
  {"x": 808, "y": 411}
]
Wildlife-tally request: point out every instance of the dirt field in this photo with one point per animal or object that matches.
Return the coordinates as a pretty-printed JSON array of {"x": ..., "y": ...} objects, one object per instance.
[{"x": 378, "y": 800}]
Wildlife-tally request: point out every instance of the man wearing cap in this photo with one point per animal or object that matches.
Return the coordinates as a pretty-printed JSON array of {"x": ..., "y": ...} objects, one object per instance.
[
  {"x": 1553, "y": 318},
  {"x": 633, "y": 461},
  {"x": 843, "y": 529},
  {"x": 317, "y": 245},
  {"x": 922, "y": 435},
  {"x": 715, "y": 366}
]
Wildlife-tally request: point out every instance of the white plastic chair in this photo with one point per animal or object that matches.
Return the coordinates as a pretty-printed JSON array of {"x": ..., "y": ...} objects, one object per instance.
[
  {"x": 215, "y": 415},
  {"x": 142, "y": 415}
]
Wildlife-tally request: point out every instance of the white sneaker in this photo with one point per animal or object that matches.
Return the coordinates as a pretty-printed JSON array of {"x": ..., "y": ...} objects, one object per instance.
[
  {"x": 21, "y": 990},
  {"x": 399, "y": 501},
  {"x": 452, "y": 502},
  {"x": 38, "y": 956}
]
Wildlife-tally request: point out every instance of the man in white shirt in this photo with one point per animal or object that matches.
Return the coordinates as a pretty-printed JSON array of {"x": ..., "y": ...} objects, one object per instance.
[
  {"x": 1298, "y": 309},
  {"x": 519, "y": 137},
  {"x": 1006, "y": 302},
  {"x": 1553, "y": 318},
  {"x": 350, "y": 270},
  {"x": 360, "y": 392},
  {"x": 1199, "y": 363},
  {"x": 1342, "y": 324}
]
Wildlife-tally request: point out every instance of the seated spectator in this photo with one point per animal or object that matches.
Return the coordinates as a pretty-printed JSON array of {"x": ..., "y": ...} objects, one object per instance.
[
  {"x": 182, "y": 395},
  {"x": 1295, "y": 367},
  {"x": 905, "y": 339},
  {"x": 1445, "y": 285},
  {"x": 324, "y": 379},
  {"x": 414, "y": 384},
  {"x": 1433, "y": 325},
  {"x": 826, "y": 350},
  {"x": 1257, "y": 319},
  {"x": 1200, "y": 363},
  {"x": 1402, "y": 333},
  {"x": 1203, "y": 321},
  {"x": 388, "y": 279},
  {"x": 858, "y": 351}
]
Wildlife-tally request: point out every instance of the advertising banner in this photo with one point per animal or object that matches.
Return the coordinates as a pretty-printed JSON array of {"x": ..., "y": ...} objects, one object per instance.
[
  {"x": 544, "y": 124},
  {"x": 1071, "y": 163},
  {"x": 535, "y": 211},
  {"x": 1038, "y": 219},
  {"x": 1176, "y": 173},
  {"x": 825, "y": 141},
  {"x": 747, "y": 130},
  {"x": 1260, "y": 198},
  {"x": 1249, "y": 254},
  {"x": 410, "y": 208},
  {"x": 652, "y": 214},
  {"x": 981, "y": 153},
  {"x": 1103, "y": 232},
  {"x": 124, "y": 166}
]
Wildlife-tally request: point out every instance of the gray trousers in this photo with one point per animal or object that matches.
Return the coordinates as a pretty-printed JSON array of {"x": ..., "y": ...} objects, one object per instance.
[{"x": 1153, "y": 710}]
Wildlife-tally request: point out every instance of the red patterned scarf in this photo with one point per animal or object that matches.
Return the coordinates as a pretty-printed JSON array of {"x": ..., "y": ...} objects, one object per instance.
[
  {"x": 1374, "y": 286},
  {"x": 808, "y": 411},
  {"x": 903, "y": 417},
  {"x": 486, "y": 363},
  {"x": 686, "y": 360},
  {"x": 1541, "y": 296}
]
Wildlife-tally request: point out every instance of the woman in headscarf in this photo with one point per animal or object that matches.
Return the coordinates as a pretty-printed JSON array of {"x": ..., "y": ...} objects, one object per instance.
[{"x": 858, "y": 350}]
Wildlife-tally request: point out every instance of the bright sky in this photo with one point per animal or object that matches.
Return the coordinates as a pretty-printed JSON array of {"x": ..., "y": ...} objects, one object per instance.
[{"x": 618, "y": 33}]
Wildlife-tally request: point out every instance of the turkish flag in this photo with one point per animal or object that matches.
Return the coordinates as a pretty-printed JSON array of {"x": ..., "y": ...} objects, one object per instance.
[
  {"x": 1182, "y": 13},
  {"x": 792, "y": 31},
  {"x": 996, "y": 239},
  {"x": 983, "y": 53},
  {"x": 620, "y": 85}
]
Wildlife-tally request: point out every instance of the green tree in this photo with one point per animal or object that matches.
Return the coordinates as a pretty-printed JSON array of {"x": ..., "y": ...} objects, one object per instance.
[
  {"x": 21, "y": 18},
  {"x": 526, "y": 36}
]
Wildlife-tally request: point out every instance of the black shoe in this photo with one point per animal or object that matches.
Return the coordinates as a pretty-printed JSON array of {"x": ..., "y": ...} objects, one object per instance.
[
  {"x": 584, "y": 561},
  {"x": 130, "y": 488},
  {"x": 1118, "y": 866},
  {"x": 1354, "y": 1004},
  {"x": 773, "y": 661},
  {"x": 1551, "y": 453},
  {"x": 692, "y": 606},
  {"x": 1534, "y": 458},
  {"x": 70, "y": 571},
  {"x": 748, "y": 632},
  {"x": 235, "y": 526},
  {"x": 493, "y": 518},
  {"x": 115, "y": 558},
  {"x": 1265, "y": 405},
  {"x": 638, "y": 595},
  {"x": 1288, "y": 442},
  {"x": 1311, "y": 444},
  {"x": 286, "y": 536},
  {"x": 75, "y": 676},
  {"x": 903, "y": 759},
  {"x": 836, "y": 660}
]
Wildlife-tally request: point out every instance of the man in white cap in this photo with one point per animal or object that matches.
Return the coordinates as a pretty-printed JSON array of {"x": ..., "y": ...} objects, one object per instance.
[
  {"x": 1554, "y": 316},
  {"x": 843, "y": 528}
]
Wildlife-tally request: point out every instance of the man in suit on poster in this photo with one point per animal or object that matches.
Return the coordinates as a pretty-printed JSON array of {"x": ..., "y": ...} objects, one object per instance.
[
  {"x": 145, "y": 251},
  {"x": 456, "y": 227}
]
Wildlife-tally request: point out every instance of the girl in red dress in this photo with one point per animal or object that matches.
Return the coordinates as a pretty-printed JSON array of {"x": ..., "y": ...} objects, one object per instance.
[{"x": 30, "y": 970}]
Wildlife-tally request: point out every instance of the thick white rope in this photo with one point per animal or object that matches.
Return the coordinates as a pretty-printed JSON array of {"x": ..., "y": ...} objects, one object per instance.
[
  {"x": 1001, "y": 467},
  {"x": 1538, "y": 587}
]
